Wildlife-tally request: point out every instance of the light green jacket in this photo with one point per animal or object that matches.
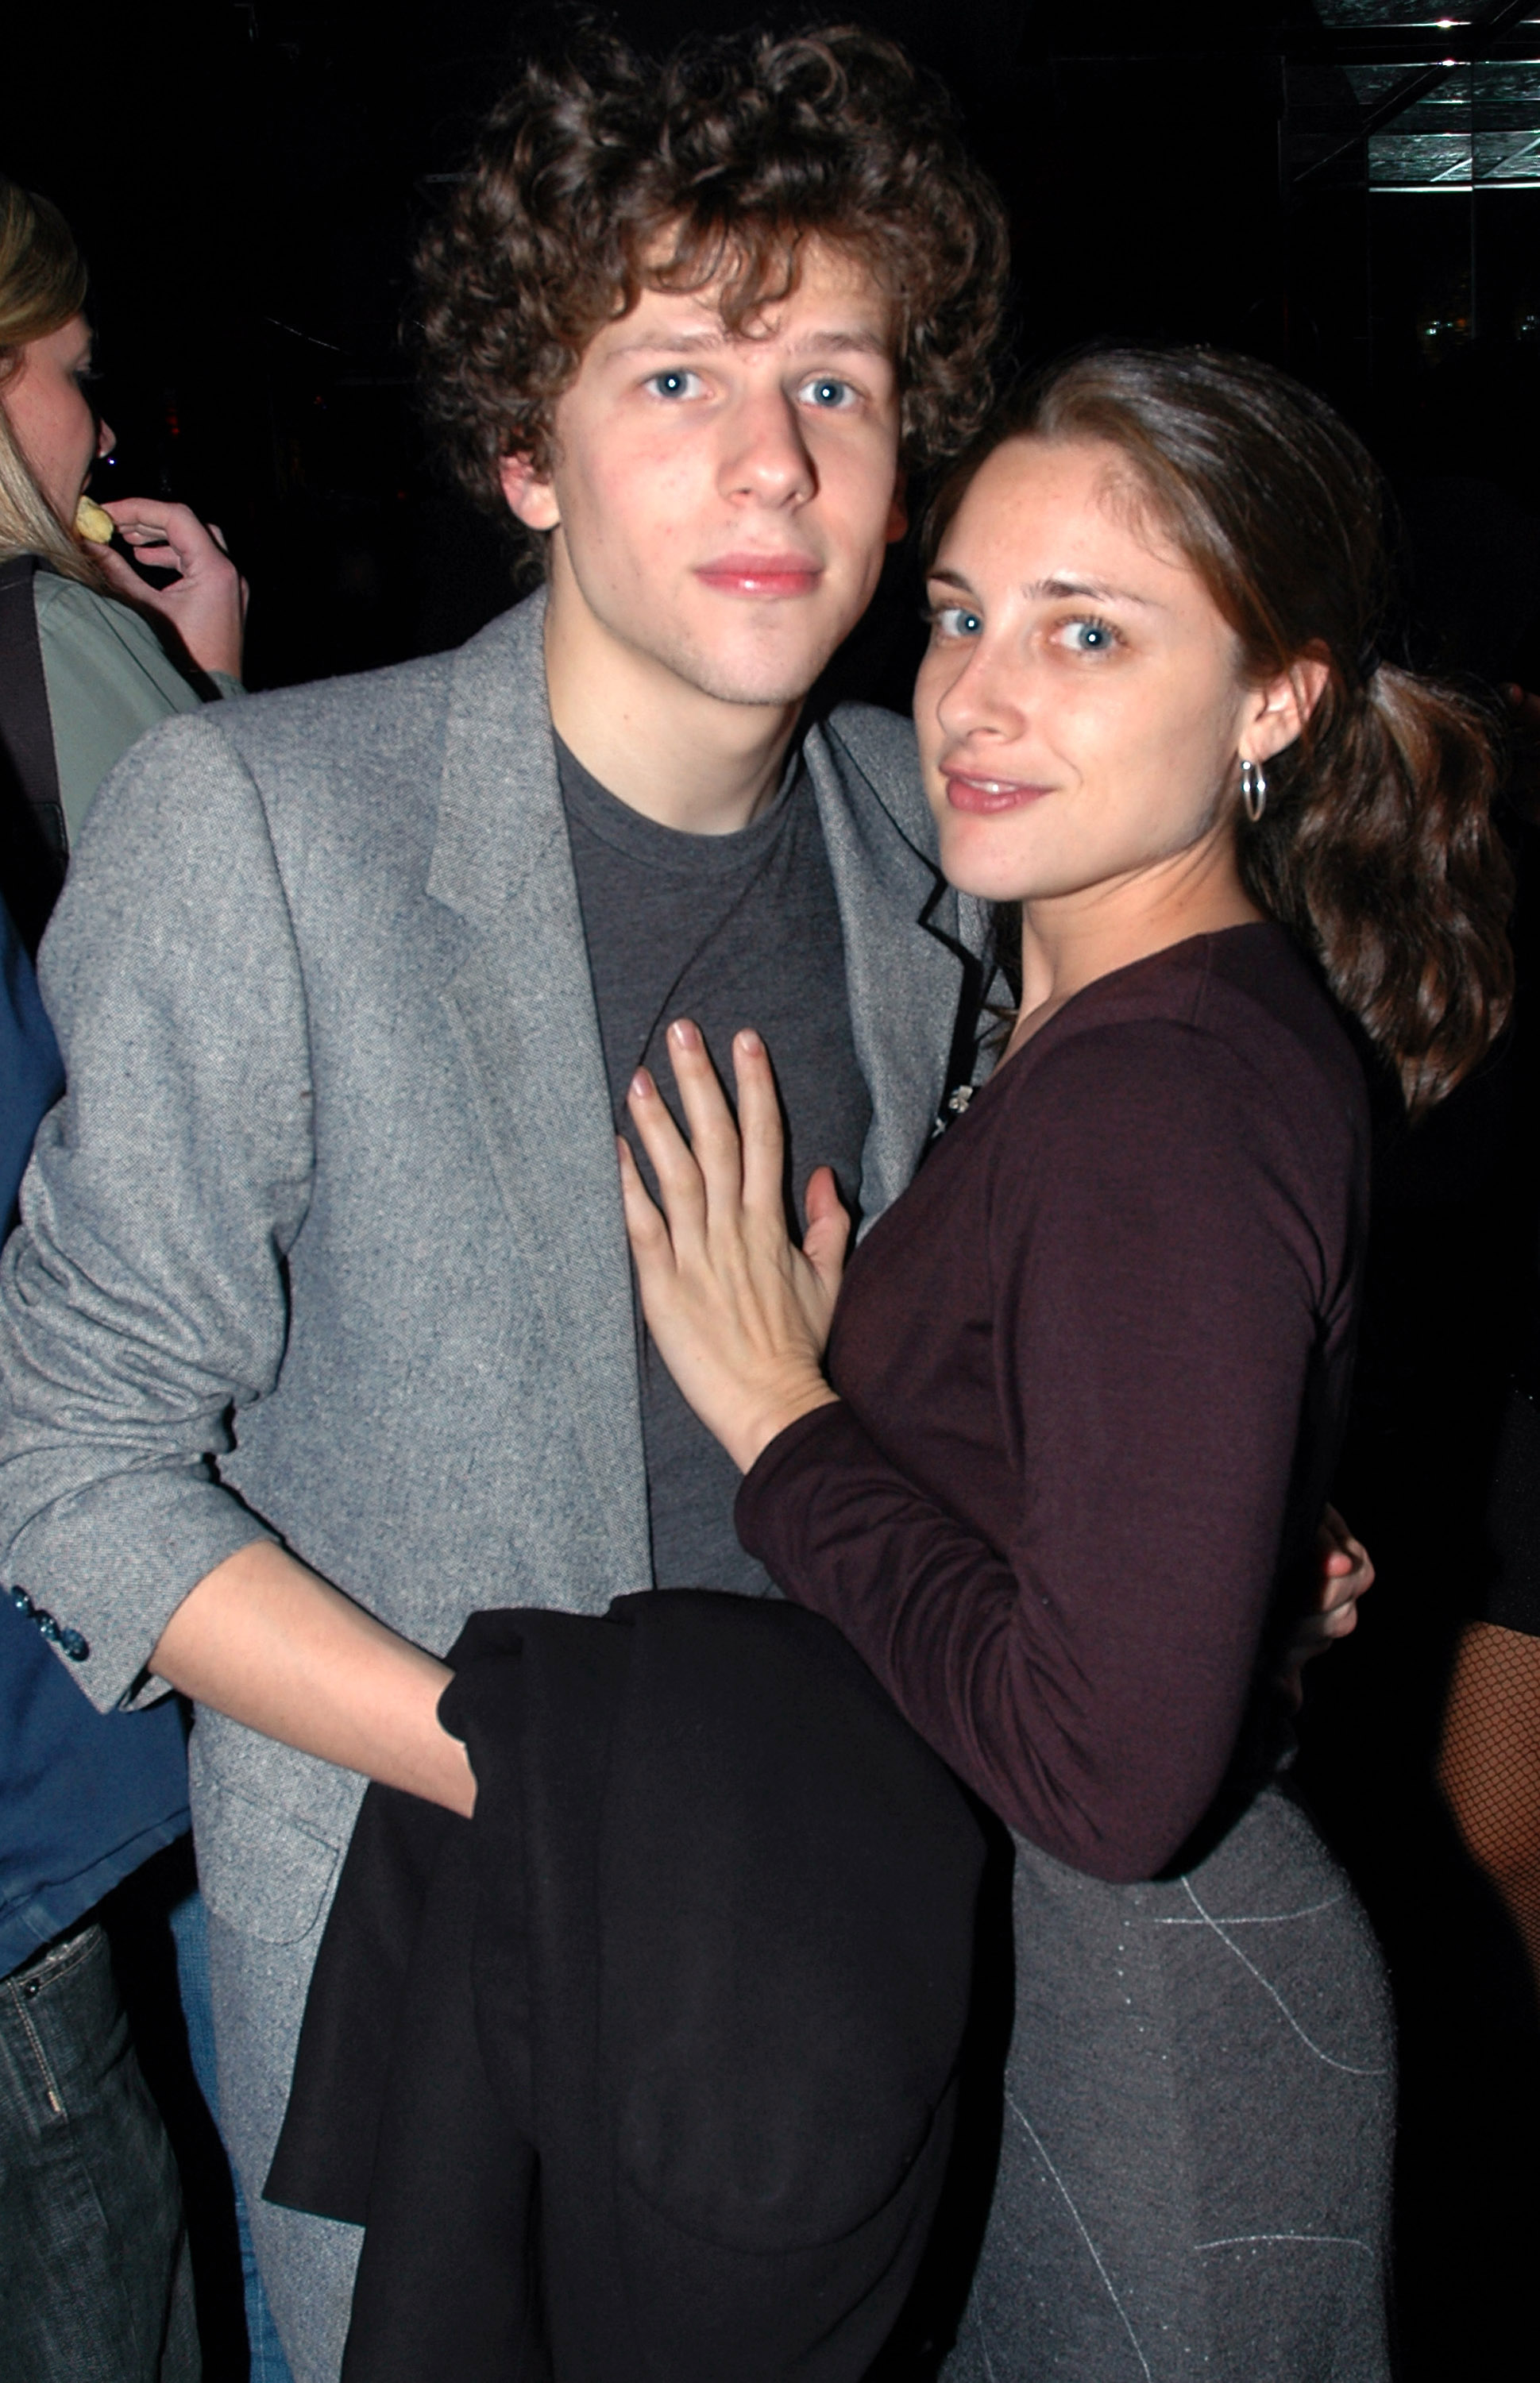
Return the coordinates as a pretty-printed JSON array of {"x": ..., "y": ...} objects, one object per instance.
[{"x": 108, "y": 679}]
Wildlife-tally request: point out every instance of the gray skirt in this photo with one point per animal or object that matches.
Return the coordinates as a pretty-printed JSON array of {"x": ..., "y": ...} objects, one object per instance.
[{"x": 1195, "y": 2168}]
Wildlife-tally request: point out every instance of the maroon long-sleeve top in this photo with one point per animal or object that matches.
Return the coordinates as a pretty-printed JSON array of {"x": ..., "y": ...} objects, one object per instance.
[{"x": 1093, "y": 1368}]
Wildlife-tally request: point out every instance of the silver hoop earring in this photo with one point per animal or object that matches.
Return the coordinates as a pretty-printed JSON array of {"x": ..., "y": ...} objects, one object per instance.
[{"x": 1254, "y": 791}]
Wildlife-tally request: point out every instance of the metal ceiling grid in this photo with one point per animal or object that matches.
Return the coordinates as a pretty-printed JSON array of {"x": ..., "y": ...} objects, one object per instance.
[{"x": 1390, "y": 105}]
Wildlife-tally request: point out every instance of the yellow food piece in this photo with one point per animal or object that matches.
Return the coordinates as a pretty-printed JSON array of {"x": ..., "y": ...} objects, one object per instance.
[{"x": 91, "y": 521}]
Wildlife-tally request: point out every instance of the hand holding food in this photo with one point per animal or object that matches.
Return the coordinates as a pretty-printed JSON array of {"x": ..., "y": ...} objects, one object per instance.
[
  {"x": 207, "y": 604},
  {"x": 93, "y": 523}
]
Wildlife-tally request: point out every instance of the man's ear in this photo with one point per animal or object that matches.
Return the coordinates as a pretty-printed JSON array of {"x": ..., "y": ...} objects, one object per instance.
[
  {"x": 898, "y": 511},
  {"x": 531, "y": 498}
]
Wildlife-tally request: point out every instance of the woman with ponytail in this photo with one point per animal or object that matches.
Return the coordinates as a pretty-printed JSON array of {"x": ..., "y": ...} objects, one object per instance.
[{"x": 1086, "y": 1382}]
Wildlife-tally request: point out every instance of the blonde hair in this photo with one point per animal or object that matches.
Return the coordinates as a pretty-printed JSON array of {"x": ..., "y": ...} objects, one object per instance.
[{"x": 43, "y": 286}]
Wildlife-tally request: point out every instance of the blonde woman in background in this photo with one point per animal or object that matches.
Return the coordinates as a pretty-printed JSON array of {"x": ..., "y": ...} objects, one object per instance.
[
  {"x": 94, "y": 2272},
  {"x": 116, "y": 655}
]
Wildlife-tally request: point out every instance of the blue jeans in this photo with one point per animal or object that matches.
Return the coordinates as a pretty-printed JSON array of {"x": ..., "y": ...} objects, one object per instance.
[
  {"x": 95, "y": 2280},
  {"x": 190, "y": 1930}
]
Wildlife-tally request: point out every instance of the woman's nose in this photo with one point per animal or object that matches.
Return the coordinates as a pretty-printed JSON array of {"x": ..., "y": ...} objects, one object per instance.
[
  {"x": 986, "y": 694},
  {"x": 106, "y": 439}
]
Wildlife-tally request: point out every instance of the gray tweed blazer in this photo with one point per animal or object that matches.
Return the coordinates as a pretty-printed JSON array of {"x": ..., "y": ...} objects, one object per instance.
[{"x": 324, "y": 1241}]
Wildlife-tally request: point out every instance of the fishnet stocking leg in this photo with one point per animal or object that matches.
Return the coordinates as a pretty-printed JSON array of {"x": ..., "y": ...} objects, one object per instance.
[{"x": 1489, "y": 1767}]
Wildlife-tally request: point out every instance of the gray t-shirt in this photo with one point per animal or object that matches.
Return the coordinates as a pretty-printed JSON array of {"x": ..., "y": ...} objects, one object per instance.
[{"x": 731, "y": 931}]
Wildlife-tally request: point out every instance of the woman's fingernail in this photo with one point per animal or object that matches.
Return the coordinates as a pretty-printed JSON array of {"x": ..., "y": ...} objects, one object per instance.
[
  {"x": 749, "y": 1042},
  {"x": 685, "y": 1034},
  {"x": 641, "y": 1085}
]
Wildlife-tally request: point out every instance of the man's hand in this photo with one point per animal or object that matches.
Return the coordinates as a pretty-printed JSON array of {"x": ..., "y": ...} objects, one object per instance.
[
  {"x": 1343, "y": 1572},
  {"x": 263, "y": 1639},
  {"x": 206, "y": 605}
]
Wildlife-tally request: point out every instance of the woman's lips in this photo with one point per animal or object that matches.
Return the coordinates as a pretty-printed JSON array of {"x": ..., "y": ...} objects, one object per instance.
[
  {"x": 761, "y": 574},
  {"x": 971, "y": 793}
]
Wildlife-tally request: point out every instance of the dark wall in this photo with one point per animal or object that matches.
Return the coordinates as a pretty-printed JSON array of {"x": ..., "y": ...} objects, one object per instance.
[{"x": 246, "y": 178}]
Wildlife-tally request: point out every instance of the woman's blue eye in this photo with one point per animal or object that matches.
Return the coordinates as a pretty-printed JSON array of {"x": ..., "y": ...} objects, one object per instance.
[
  {"x": 957, "y": 621},
  {"x": 1090, "y": 636}
]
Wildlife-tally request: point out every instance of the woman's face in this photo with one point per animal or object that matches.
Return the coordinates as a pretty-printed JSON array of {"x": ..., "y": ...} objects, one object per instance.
[
  {"x": 51, "y": 417},
  {"x": 1080, "y": 706}
]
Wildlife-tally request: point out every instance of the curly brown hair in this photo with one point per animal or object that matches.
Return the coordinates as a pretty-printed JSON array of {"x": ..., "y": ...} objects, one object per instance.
[{"x": 601, "y": 173}]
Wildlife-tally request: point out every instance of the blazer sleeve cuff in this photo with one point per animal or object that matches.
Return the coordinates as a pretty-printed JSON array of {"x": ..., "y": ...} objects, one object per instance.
[{"x": 103, "y": 1569}]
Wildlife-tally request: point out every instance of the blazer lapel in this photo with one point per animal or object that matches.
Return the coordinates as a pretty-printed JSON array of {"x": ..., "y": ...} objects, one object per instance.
[
  {"x": 903, "y": 963},
  {"x": 521, "y": 1010}
]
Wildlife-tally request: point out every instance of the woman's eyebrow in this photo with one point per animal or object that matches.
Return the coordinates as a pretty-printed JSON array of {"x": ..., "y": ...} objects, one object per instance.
[
  {"x": 1062, "y": 584},
  {"x": 1069, "y": 584}
]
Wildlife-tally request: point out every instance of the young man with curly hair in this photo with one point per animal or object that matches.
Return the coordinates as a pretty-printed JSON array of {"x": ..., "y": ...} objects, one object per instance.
[{"x": 318, "y": 1334}]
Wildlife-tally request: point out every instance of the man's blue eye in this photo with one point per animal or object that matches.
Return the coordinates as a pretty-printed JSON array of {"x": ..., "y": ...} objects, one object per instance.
[
  {"x": 672, "y": 384},
  {"x": 827, "y": 392}
]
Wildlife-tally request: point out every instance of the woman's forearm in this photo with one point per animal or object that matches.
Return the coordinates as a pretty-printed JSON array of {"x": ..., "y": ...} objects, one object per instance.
[{"x": 270, "y": 1645}]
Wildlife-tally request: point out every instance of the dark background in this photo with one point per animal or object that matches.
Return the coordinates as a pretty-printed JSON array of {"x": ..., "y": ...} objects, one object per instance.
[{"x": 246, "y": 178}]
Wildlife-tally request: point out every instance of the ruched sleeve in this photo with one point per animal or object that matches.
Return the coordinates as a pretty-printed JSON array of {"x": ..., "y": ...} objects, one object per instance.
[{"x": 1139, "y": 1252}]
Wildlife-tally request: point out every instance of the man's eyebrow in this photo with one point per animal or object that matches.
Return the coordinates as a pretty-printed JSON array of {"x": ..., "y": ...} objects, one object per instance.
[
  {"x": 831, "y": 341},
  {"x": 660, "y": 343},
  {"x": 854, "y": 343}
]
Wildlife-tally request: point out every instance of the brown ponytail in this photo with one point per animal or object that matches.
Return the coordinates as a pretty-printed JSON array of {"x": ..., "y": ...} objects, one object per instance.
[
  {"x": 1380, "y": 853},
  {"x": 1376, "y": 845}
]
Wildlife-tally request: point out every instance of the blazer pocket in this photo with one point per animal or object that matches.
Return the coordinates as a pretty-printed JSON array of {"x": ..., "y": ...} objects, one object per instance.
[{"x": 261, "y": 1871}]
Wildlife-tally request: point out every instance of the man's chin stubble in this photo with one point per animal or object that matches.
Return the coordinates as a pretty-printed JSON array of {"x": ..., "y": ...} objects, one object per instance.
[{"x": 769, "y": 683}]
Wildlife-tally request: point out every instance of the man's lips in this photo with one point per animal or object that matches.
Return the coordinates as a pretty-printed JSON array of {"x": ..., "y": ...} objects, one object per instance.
[
  {"x": 972, "y": 791},
  {"x": 761, "y": 574}
]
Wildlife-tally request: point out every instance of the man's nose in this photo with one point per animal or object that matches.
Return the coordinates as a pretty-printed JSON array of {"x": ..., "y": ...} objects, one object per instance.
[{"x": 765, "y": 453}]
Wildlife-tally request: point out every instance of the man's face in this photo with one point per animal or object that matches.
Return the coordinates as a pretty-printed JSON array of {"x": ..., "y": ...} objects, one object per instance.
[{"x": 719, "y": 505}]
